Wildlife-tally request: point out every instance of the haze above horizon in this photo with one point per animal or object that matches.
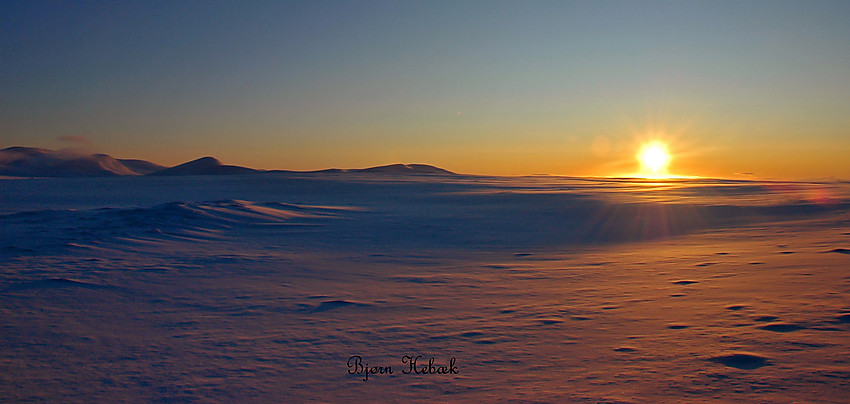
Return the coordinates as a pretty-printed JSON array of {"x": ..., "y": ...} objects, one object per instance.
[{"x": 480, "y": 87}]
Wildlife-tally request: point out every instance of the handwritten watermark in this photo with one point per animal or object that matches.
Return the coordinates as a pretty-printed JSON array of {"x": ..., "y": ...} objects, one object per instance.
[{"x": 410, "y": 365}]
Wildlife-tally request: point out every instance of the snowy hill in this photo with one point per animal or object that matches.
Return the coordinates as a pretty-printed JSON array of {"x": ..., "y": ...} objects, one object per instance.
[{"x": 36, "y": 162}]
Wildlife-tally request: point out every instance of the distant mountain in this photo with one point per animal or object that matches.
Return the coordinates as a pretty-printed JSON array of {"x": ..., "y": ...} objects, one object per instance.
[
  {"x": 204, "y": 166},
  {"x": 36, "y": 162},
  {"x": 404, "y": 169},
  {"x": 94, "y": 165},
  {"x": 25, "y": 151},
  {"x": 141, "y": 167},
  {"x": 387, "y": 169}
]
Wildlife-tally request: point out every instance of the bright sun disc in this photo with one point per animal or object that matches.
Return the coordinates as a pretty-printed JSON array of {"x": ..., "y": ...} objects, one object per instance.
[{"x": 654, "y": 158}]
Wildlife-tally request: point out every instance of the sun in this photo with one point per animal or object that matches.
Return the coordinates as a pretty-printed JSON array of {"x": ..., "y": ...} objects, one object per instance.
[{"x": 654, "y": 158}]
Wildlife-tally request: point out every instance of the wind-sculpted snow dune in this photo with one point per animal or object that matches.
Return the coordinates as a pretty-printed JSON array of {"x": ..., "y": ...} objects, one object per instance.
[{"x": 176, "y": 221}]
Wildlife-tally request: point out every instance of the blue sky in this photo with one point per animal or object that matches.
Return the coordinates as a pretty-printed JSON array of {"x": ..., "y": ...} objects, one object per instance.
[{"x": 484, "y": 87}]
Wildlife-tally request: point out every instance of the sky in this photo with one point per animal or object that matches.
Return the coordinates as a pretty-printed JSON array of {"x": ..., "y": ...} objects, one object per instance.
[{"x": 734, "y": 88}]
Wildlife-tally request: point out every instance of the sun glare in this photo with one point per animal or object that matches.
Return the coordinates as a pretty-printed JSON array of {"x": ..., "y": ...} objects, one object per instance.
[{"x": 654, "y": 159}]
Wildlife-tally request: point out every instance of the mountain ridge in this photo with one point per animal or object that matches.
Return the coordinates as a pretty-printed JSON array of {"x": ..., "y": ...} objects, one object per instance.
[
  {"x": 204, "y": 166},
  {"x": 21, "y": 161}
]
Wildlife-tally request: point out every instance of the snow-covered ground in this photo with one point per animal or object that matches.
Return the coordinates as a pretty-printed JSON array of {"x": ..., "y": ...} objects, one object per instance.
[{"x": 263, "y": 287}]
